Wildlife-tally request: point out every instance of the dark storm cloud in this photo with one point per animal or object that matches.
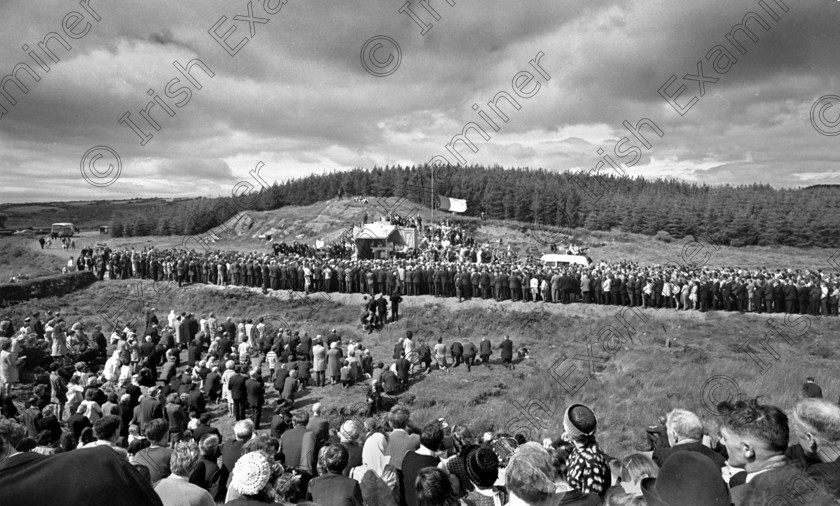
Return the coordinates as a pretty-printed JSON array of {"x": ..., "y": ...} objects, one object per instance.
[{"x": 298, "y": 99}]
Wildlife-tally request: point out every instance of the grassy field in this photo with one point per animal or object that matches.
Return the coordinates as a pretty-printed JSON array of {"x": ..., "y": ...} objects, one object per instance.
[
  {"x": 630, "y": 367},
  {"x": 24, "y": 255},
  {"x": 87, "y": 215}
]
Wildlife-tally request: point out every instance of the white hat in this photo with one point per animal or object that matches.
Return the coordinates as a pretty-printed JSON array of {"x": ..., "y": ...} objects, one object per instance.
[{"x": 251, "y": 473}]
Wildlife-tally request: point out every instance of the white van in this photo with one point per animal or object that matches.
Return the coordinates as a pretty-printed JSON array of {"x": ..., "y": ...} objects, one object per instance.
[{"x": 555, "y": 260}]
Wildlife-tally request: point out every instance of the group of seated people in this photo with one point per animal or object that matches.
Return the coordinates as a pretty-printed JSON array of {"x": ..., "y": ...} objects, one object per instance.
[{"x": 761, "y": 456}]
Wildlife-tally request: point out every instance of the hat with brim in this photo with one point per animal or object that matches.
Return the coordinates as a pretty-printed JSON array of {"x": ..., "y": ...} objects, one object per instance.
[{"x": 687, "y": 479}]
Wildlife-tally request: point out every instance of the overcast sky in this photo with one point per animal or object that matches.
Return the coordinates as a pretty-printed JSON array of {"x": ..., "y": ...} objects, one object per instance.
[{"x": 297, "y": 97}]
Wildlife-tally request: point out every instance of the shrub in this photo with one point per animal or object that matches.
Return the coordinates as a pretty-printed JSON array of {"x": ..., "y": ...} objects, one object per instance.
[{"x": 663, "y": 236}]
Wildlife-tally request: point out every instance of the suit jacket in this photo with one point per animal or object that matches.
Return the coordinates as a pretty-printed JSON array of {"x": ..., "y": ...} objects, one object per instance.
[
  {"x": 195, "y": 400},
  {"x": 231, "y": 451},
  {"x": 470, "y": 350},
  {"x": 213, "y": 382},
  {"x": 485, "y": 348},
  {"x": 660, "y": 454},
  {"x": 298, "y": 448},
  {"x": 403, "y": 366},
  {"x": 811, "y": 390},
  {"x": 320, "y": 427},
  {"x": 255, "y": 391},
  {"x": 148, "y": 409},
  {"x": 236, "y": 385},
  {"x": 335, "y": 489},
  {"x": 507, "y": 349}
]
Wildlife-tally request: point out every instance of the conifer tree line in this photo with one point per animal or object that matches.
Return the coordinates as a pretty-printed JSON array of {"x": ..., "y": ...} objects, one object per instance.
[{"x": 756, "y": 214}]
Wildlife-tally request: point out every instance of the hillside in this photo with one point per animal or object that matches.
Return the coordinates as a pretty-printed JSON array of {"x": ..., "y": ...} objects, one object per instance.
[
  {"x": 329, "y": 219},
  {"x": 754, "y": 215}
]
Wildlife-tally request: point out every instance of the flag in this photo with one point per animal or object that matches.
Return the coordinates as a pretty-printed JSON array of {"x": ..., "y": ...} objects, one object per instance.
[{"x": 454, "y": 205}]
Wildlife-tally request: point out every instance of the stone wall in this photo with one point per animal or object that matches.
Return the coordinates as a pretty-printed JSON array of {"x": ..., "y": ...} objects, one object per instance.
[{"x": 48, "y": 286}]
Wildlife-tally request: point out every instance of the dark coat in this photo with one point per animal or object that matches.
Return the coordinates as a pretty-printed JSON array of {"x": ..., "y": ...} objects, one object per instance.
[
  {"x": 255, "y": 391},
  {"x": 660, "y": 455},
  {"x": 336, "y": 490},
  {"x": 403, "y": 367},
  {"x": 507, "y": 349},
  {"x": 236, "y": 385}
]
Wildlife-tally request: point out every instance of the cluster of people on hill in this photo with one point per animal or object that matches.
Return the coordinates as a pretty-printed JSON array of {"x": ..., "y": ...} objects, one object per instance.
[
  {"x": 145, "y": 420},
  {"x": 465, "y": 272}
]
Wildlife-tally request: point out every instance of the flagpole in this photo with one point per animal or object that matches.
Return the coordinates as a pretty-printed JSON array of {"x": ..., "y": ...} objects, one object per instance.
[{"x": 432, "y": 197}]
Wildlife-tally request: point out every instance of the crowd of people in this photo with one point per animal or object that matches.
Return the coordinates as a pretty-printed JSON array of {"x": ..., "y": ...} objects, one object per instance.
[
  {"x": 133, "y": 417},
  {"x": 139, "y": 429},
  {"x": 140, "y": 408},
  {"x": 458, "y": 272}
]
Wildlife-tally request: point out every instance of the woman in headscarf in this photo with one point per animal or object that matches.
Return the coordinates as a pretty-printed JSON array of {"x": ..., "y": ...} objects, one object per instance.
[
  {"x": 456, "y": 465},
  {"x": 59, "y": 342},
  {"x": 376, "y": 477}
]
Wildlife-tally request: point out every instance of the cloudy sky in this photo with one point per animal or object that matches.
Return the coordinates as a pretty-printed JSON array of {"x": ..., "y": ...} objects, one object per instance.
[{"x": 322, "y": 86}]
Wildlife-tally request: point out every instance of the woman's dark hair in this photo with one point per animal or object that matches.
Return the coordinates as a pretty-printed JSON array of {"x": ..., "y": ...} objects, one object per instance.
[
  {"x": 434, "y": 488},
  {"x": 138, "y": 444},
  {"x": 87, "y": 436},
  {"x": 67, "y": 441},
  {"x": 432, "y": 436},
  {"x": 287, "y": 487},
  {"x": 26, "y": 444},
  {"x": 335, "y": 458}
]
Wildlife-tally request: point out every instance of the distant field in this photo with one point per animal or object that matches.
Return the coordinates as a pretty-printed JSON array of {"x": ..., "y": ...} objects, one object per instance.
[
  {"x": 634, "y": 381},
  {"x": 86, "y": 215}
]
